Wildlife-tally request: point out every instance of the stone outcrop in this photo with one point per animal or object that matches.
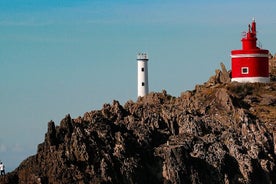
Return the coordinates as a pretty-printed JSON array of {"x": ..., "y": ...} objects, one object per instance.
[
  {"x": 272, "y": 67},
  {"x": 221, "y": 77},
  {"x": 221, "y": 132}
]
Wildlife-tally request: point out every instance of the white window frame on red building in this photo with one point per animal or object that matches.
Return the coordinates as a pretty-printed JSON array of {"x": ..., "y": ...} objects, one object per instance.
[{"x": 244, "y": 68}]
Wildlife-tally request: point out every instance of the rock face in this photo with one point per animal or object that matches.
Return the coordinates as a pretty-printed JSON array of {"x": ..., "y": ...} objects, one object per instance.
[{"x": 221, "y": 132}]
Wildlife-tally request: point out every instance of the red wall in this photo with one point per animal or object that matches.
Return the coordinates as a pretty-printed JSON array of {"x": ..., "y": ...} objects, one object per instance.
[{"x": 258, "y": 67}]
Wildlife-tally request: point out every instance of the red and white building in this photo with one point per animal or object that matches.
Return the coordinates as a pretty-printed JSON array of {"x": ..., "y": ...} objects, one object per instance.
[{"x": 250, "y": 64}]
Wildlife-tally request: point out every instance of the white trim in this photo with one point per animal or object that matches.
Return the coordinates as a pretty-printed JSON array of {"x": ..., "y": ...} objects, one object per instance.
[
  {"x": 248, "y": 55},
  {"x": 251, "y": 79}
]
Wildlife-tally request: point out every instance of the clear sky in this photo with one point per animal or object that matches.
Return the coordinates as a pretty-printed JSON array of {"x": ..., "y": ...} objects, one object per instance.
[{"x": 61, "y": 57}]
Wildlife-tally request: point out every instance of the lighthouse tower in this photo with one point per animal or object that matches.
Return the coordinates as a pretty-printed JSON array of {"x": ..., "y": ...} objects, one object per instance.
[
  {"x": 250, "y": 64},
  {"x": 142, "y": 71}
]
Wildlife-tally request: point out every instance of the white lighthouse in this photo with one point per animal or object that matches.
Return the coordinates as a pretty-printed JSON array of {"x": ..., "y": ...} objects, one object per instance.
[{"x": 142, "y": 71}]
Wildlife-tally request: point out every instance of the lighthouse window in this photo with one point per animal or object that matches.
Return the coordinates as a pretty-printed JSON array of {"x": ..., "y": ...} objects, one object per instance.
[
  {"x": 142, "y": 69},
  {"x": 244, "y": 70},
  {"x": 143, "y": 84}
]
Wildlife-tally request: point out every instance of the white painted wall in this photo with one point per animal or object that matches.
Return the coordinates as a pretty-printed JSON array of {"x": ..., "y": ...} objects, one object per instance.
[
  {"x": 251, "y": 79},
  {"x": 142, "y": 72}
]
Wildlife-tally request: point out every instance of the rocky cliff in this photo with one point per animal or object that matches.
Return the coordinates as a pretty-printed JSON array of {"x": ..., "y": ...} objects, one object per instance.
[{"x": 221, "y": 132}]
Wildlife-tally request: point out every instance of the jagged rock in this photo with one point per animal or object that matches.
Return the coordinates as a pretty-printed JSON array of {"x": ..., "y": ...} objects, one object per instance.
[
  {"x": 224, "y": 75},
  {"x": 220, "y": 132},
  {"x": 221, "y": 77}
]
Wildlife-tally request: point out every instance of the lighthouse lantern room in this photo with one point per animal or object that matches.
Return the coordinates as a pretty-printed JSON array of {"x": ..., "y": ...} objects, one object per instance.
[{"x": 250, "y": 64}]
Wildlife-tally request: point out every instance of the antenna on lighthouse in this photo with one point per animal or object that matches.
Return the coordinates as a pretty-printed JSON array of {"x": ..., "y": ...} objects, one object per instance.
[{"x": 142, "y": 74}]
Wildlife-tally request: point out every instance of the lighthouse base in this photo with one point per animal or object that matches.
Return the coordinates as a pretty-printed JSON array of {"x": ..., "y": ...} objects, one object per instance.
[{"x": 251, "y": 79}]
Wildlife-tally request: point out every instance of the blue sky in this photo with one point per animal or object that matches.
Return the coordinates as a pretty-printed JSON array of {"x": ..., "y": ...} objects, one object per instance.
[{"x": 61, "y": 57}]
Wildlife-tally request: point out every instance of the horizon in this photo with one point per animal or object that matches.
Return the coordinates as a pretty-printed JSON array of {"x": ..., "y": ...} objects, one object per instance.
[{"x": 70, "y": 57}]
